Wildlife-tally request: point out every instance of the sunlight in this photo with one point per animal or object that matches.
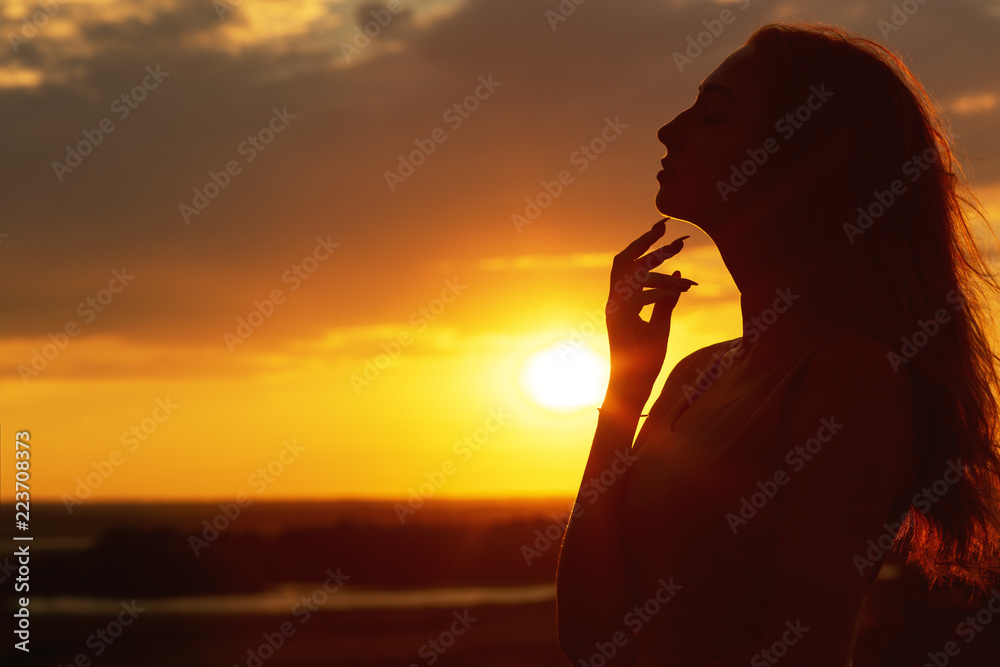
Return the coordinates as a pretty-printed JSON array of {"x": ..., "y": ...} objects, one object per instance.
[{"x": 565, "y": 377}]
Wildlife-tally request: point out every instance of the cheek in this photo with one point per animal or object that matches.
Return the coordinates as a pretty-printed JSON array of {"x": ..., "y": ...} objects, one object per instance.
[
  {"x": 714, "y": 176},
  {"x": 726, "y": 154},
  {"x": 730, "y": 161}
]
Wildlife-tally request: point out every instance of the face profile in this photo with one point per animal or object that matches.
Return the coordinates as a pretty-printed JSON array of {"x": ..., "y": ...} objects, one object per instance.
[{"x": 704, "y": 141}]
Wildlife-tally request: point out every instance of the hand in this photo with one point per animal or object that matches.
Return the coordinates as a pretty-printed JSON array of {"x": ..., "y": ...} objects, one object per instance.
[{"x": 637, "y": 347}]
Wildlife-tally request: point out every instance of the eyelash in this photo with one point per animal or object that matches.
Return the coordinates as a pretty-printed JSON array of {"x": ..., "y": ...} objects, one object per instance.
[{"x": 706, "y": 117}]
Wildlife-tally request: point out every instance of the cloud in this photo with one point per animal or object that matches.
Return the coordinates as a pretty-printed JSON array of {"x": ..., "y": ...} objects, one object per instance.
[
  {"x": 325, "y": 173},
  {"x": 581, "y": 260},
  {"x": 973, "y": 104}
]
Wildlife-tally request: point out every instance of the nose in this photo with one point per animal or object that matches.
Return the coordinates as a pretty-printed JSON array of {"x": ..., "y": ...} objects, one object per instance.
[
  {"x": 661, "y": 134},
  {"x": 666, "y": 134},
  {"x": 675, "y": 134}
]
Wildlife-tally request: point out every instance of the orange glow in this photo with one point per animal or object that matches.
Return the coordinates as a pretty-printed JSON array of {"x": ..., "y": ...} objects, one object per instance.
[{"x": 434, "y": 309}]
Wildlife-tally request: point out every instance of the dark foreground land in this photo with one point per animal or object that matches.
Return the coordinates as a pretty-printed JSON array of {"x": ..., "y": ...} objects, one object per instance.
[
  {"x": 113, "y": 554},
  {"x": 500, "y": 636}
]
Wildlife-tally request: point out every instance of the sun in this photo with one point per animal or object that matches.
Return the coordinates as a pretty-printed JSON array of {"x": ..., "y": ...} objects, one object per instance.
[{"x": 565, "y": 377}]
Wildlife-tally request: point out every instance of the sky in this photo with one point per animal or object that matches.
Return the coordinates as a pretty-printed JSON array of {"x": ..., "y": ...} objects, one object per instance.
[{"x": 247, "y": 248}]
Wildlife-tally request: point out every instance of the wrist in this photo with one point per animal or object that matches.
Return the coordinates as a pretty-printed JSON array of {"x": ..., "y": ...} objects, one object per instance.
[
  {"x": 622, "y": 405},
  {"x": 626, "y": 393}
]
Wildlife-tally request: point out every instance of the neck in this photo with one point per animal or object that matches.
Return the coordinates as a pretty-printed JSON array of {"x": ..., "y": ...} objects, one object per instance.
[{"x": 782, "y": 296}]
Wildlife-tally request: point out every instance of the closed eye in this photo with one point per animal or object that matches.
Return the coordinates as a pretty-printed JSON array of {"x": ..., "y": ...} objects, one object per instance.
[{"x": 711, "y": 111}]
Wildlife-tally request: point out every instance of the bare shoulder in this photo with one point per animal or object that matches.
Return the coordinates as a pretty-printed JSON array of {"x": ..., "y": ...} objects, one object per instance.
[
  {"x": 702, "y": 359},
  {"x": 684, "y": 375}
]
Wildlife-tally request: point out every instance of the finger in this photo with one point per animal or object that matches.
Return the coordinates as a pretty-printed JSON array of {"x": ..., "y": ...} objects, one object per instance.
[
  {"x": 661, "y": 254},
  {"x": 659, "y": 321},
  {"x": 662, "y": 280},
  {"x": 635, "y": 249},
  {"x": 649, "y": 296}
]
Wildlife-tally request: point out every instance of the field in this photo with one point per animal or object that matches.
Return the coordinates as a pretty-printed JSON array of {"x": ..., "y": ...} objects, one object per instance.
[{"x": 303, "y": 584}]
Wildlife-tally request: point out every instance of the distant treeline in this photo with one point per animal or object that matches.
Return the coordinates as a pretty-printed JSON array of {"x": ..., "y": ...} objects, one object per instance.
[{"x": 131, "y": 562}]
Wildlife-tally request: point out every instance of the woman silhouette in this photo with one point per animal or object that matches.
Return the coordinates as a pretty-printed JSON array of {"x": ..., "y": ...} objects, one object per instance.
[{"x": 858, "y": 412}]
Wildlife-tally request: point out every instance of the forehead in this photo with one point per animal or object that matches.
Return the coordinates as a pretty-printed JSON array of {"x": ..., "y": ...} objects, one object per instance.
[{"x": 739, "y": 73}]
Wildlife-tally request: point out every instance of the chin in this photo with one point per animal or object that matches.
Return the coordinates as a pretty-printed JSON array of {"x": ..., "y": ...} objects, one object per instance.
[
  {"x": 669, "y": 204},
  {"x": 683, "y": 204}
]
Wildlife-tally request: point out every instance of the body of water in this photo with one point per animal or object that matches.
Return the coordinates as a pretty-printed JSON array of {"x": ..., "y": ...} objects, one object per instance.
[{"x": 285, "y": 599}]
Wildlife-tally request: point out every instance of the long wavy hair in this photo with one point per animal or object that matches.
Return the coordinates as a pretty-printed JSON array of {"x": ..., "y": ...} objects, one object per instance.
[{"x": 899, "y": 253}]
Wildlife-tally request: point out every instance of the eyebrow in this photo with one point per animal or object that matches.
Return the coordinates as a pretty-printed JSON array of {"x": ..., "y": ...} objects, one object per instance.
[{"x": 718, "y": 88}]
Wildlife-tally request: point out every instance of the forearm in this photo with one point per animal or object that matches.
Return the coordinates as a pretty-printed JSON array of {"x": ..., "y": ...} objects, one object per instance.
[{"x": 593, "y": 589}]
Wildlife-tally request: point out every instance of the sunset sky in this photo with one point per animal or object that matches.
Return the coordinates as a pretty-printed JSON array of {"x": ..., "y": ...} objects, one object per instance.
[{"x": 229, "y": 160}]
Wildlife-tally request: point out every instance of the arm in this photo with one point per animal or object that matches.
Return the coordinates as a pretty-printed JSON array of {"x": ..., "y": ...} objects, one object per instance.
[
  {"x": 835, "y": 502},
  {"x": 593, "y": 590}
]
